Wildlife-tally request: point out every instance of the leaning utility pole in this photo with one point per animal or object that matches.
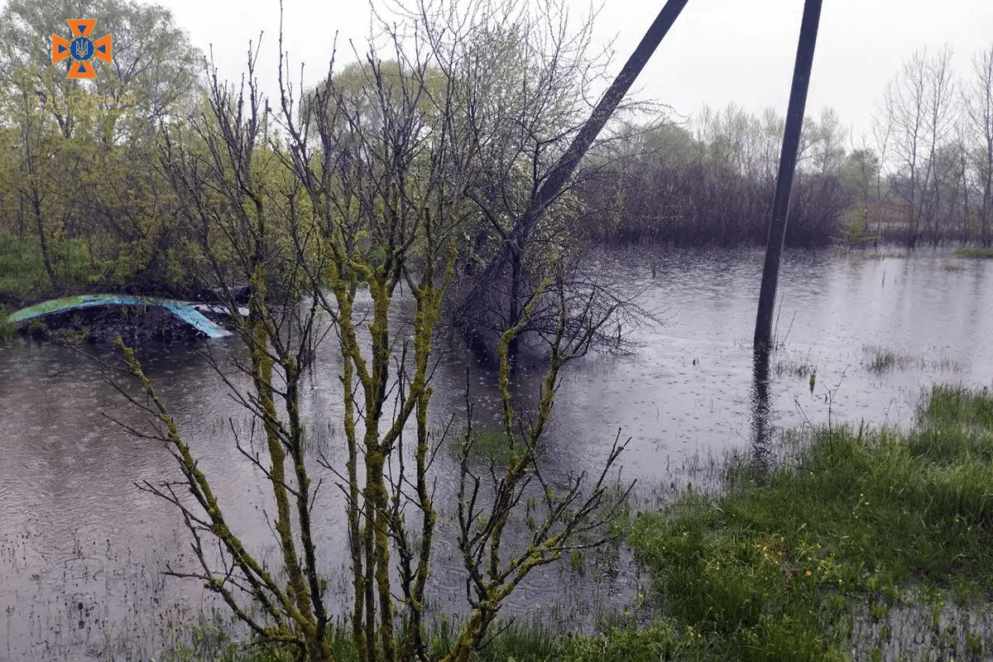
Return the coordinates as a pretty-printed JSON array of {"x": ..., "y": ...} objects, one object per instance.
[{"x": 787, "y": 165}]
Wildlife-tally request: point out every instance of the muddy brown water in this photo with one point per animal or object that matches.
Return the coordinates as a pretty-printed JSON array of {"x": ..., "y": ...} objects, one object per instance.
[{"x": 82, "y": 550}]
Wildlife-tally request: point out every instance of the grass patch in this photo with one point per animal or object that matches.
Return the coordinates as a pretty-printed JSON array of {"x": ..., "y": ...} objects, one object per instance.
[
  {"x": 860, "y": 546},
  {"x": 617, "y": 642},
  {"x": 830, "y": 553},
  {"x": 973, "y": 251},
  {"x": 483, "y": 445},
  {"x": 520, "y": 642},
  {"x": 798, "y": 369},
  {"x": 879, "y": 360}
]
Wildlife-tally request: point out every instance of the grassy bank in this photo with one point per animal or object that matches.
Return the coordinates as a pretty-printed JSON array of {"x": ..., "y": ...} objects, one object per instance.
[{"x": 873, "y": 546}]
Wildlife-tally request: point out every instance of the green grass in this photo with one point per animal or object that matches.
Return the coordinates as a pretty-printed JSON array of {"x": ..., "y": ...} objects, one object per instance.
[
  {"x": 879, "y": 360},
  {"x": 617, "y": 642},
  {"x": 799, "y": 369},
  {"x": 883, "y": 360},
  {"x": 525, "y": 642},
  {"x": 857, "y": 531},
  {"x": 973, "y": 251},
  {"x": 484, "y": 445}
]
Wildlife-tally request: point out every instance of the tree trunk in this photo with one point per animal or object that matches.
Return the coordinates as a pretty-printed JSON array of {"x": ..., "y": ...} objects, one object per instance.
[
  {"x": 516, "y": 273},
  {"x": 39, "y": 221}
]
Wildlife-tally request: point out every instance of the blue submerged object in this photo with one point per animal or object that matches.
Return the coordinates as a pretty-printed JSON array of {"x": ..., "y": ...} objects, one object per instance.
[{"x": 184, "y": 310}]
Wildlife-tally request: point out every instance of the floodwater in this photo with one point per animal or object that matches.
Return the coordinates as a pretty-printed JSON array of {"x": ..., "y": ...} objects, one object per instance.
[{"x": 82, "y": 549}]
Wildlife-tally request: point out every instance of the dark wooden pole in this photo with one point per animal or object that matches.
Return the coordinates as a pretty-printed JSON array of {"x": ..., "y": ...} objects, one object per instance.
[{"x": 787, "y": 166}]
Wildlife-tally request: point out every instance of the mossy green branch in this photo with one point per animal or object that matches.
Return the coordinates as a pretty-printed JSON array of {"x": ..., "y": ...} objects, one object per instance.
[
  {"x": 262, "y": 365},
  {"x": 256, "y": 574},
  {"x": 516, "y": 465}
]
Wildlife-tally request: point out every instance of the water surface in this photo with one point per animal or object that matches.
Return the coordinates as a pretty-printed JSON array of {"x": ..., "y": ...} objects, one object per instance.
[{"x": 82, "y": 549}]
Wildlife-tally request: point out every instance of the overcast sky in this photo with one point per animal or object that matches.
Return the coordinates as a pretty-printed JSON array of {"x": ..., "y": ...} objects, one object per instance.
[{"x": 718, "y": 51}]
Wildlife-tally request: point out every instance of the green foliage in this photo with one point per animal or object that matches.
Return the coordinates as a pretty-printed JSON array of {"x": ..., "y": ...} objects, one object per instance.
[
  {"x": 526, "y": 643},
  {"x": 22, "y": 270},
  {"x": 534, "y": 642},
  {"x": 360, "y": 84},
  {"x": 658, "y": 641},
  {"x": 155, "y": 63},
  {"x": 780, "y": 571},
  {"x": 205, "y": 640},
  {"x": 860, "y": 174},
  {"x": 856, "y": 233},
  {"x": 7, "y": 330},
  {"x": 79, "y": 166},
  {"x": 950, "y": 406}
]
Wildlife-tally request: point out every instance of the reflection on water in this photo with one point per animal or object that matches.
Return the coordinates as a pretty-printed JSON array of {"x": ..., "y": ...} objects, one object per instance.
[
  {"x": 82, "y": 549},
  {"x": 761, "y": 357}
]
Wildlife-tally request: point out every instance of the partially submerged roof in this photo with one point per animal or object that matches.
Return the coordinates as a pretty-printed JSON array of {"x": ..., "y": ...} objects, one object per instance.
[{"x": 184, "y": 310}]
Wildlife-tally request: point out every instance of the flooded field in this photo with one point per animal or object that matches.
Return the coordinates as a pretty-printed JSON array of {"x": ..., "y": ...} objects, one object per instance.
[{"x": 82, "y": 550}]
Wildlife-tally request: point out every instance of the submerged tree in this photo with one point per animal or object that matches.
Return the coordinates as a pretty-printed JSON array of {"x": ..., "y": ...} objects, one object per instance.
[
  {"x": 525, "y": 77},
  {"x": 327, "y": 216}
]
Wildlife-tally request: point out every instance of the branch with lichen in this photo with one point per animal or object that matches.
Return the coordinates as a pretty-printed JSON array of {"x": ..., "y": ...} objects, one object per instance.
[
  {"x": 277, "y": 602},
  {"x": 568, "y": 515}
]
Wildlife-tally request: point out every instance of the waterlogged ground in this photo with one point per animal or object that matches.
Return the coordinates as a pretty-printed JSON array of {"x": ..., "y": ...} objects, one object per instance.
[{"x": 82, "y": 549}]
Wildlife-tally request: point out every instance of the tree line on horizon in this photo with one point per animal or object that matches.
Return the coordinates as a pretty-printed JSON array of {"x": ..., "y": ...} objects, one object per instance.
[
  {"x": 712, "y": 180},
  {"x": 923, "y": 175},
  {"x": 84, "y": 182}
]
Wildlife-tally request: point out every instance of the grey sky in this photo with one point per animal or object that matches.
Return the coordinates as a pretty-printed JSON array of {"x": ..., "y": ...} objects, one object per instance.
[{"x": 718, "y": 51}]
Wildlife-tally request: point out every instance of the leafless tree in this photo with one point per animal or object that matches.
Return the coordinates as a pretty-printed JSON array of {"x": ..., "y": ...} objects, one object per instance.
[
  {"x": 979, "y": 110},
  {"x": 920, "y": 104},
  {"x": 330, "y": 207},
  {"x": 830, "y": 137}
]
